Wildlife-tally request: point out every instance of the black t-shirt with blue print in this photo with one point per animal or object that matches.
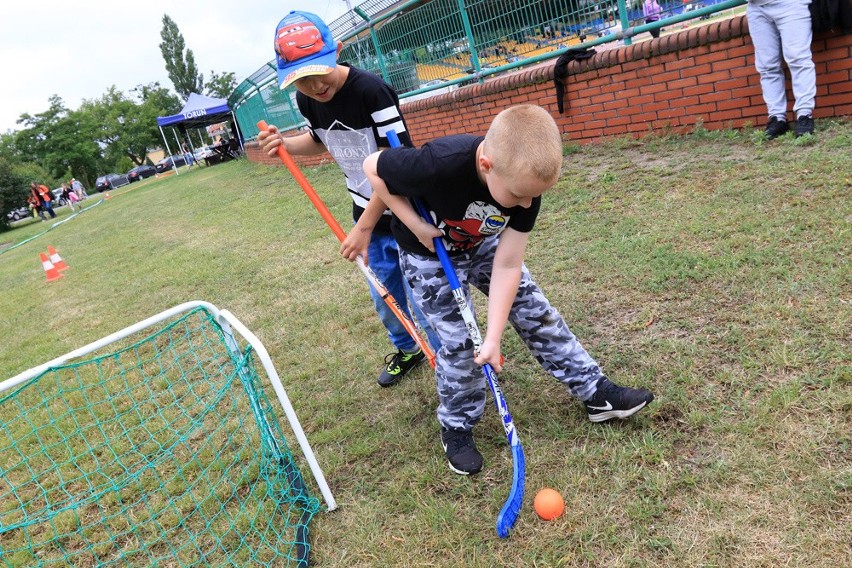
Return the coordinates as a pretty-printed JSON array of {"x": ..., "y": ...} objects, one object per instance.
[{"x": 444, "y": 175}]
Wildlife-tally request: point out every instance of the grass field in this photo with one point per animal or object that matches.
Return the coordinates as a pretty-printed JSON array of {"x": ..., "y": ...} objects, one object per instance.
[{"x": 712, "y": 268}]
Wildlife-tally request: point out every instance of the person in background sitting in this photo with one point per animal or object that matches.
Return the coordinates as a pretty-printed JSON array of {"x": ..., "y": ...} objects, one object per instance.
[{"x": 234, "y": 148}]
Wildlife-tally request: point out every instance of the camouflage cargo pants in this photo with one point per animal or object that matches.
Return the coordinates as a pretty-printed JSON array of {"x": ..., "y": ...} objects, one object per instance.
[{"x": 460, "y": 382}]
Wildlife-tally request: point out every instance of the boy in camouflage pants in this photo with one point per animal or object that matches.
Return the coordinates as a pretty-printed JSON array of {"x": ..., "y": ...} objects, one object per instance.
[{"x": 485, "y": 195}]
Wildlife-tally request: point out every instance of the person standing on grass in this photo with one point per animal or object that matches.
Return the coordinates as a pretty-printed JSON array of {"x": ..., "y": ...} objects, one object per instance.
[
  {"x": 782, "y": 29},
  {"x": 42, "y": 193},
  {"x": 348, "y": 112},
  {"x": 188, "y": 156},
  {"x": 70, "y": 196},
  {"x": 484, "y": 196},
  {"x": 79, "y": 189}
]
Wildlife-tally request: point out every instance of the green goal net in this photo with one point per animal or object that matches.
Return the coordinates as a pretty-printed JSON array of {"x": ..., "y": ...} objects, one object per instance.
[{"x": 165, "y": 451}]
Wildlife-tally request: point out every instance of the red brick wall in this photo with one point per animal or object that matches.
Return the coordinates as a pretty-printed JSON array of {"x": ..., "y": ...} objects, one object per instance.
[
  {"x": 254, "y": 154},
  {"x": 703, "y": 74}
]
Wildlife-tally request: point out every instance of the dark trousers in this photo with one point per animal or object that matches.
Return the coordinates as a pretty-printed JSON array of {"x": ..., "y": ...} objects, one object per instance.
[{"x": 654, "y": 33}]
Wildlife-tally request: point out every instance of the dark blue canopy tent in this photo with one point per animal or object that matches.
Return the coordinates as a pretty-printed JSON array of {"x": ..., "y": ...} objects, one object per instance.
[{"x": 198, "y": 112}]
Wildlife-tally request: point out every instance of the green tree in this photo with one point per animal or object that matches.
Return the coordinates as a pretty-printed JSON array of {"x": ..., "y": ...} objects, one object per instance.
[
  {"x": 141, "y": 128},
  {"x": 110, "y": 133},
  {"x": 157, "y": 97},
  {"x": 128, "y": 128},
  {"x": 49, "y": 142},
  {"x": 30, "y": 140},
  {"x": 70, "y": 148},
  {"x": 122, "y": 132},
  {"x": 180, "y": 62},
  {"x": 220, "y": 86},
  {"x": 8, "y": 148},
  {"x": 13, "y": 190}
]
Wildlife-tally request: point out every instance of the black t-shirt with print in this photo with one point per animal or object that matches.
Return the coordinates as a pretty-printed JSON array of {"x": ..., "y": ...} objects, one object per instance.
[
  {"x": 352, "y": 126},
  {"x": 443, "y": 174}
]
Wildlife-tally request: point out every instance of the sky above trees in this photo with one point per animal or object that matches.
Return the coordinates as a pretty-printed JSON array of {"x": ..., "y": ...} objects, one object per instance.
[{"x": 78, "y": 50}]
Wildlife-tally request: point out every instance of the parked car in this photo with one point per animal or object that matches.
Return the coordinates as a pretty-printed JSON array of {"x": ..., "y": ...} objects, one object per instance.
[
  {"x": 166, "y": 163},
  {"x": 140, "y": 172},
  {"x": 58, "y": 200},
  {"x": 203, "y": 152},
  {"x": 110, "y": 181},
  {"x": 17, "y": 214}
]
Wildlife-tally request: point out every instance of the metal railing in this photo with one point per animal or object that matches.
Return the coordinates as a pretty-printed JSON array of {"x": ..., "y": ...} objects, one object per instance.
[{"x": 423, "y": 46}]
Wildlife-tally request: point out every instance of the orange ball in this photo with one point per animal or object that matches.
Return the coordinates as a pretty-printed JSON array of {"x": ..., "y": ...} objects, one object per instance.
[{"x": 548, "y": 504}]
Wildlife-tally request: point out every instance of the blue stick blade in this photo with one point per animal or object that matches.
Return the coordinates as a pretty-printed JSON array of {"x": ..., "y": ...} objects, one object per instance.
[{"x": 512, "y": 508}]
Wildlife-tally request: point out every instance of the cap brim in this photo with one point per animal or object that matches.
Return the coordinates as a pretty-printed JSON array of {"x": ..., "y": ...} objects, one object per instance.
[{"x": 320, "y": 65}]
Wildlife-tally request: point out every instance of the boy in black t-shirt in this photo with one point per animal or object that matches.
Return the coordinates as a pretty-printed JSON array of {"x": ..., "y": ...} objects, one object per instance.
[
  {"x": 477, "y": 188},
  {"x": 348, "y": 112}
]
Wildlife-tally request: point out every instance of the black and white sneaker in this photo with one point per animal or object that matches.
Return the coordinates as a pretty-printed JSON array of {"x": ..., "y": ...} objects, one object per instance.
[
  {"x": 612, "y": 401},
  {"x": 461, "y": 451},
  {"x": 776, "y": 127},
  {"x": 397, "y": 365}
]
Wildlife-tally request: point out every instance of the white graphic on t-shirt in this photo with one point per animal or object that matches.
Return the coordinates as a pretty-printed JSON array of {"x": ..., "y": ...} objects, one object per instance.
[{"x": 349, "y": 148}]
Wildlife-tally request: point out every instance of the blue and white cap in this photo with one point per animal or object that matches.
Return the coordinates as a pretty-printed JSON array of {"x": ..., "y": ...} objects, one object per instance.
[{"x": 304, "y": 46}]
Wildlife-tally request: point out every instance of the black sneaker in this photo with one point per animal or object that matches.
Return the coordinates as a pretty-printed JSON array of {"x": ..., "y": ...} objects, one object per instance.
[
  {"x": 804, "y": 125},
  {"x": 612, "y": 401},
  {"x": 461, "y": 451},
  {"x": 397, "y": 364},
  {"x": 776, "y": 127}
]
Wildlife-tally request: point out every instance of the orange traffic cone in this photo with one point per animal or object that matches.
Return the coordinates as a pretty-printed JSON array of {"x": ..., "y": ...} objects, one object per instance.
[
  {"x": 106, "y": 195},
  {"x": 56, "y": 259},
  {"x": 51, "y": 271}
]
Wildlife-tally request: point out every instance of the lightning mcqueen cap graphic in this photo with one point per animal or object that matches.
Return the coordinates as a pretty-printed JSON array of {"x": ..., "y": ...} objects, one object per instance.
[{"x": 303, "y": 46}]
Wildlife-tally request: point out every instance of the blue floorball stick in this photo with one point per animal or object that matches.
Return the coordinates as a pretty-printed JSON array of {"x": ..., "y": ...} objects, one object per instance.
[{"x": 509, "y": 513}]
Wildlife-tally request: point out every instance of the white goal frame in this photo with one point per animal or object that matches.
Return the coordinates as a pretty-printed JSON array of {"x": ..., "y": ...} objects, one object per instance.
[{"x": 228, "y": 322}]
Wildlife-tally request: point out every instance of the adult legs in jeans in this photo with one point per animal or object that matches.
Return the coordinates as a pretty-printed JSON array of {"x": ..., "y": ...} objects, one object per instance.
[{"x": 384, "y": 261}]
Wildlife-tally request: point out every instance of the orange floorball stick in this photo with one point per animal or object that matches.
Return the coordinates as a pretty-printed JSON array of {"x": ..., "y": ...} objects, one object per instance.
[{"x": 335, "y": 227}]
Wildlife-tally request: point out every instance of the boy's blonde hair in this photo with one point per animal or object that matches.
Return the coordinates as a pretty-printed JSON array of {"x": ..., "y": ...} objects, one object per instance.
[{"x": 524, "y": 140}]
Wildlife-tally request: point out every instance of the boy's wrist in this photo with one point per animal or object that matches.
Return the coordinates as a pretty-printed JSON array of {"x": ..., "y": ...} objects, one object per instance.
[
  {"x": 425, "y": 226},
  {"x": 365, "y": 224}
]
